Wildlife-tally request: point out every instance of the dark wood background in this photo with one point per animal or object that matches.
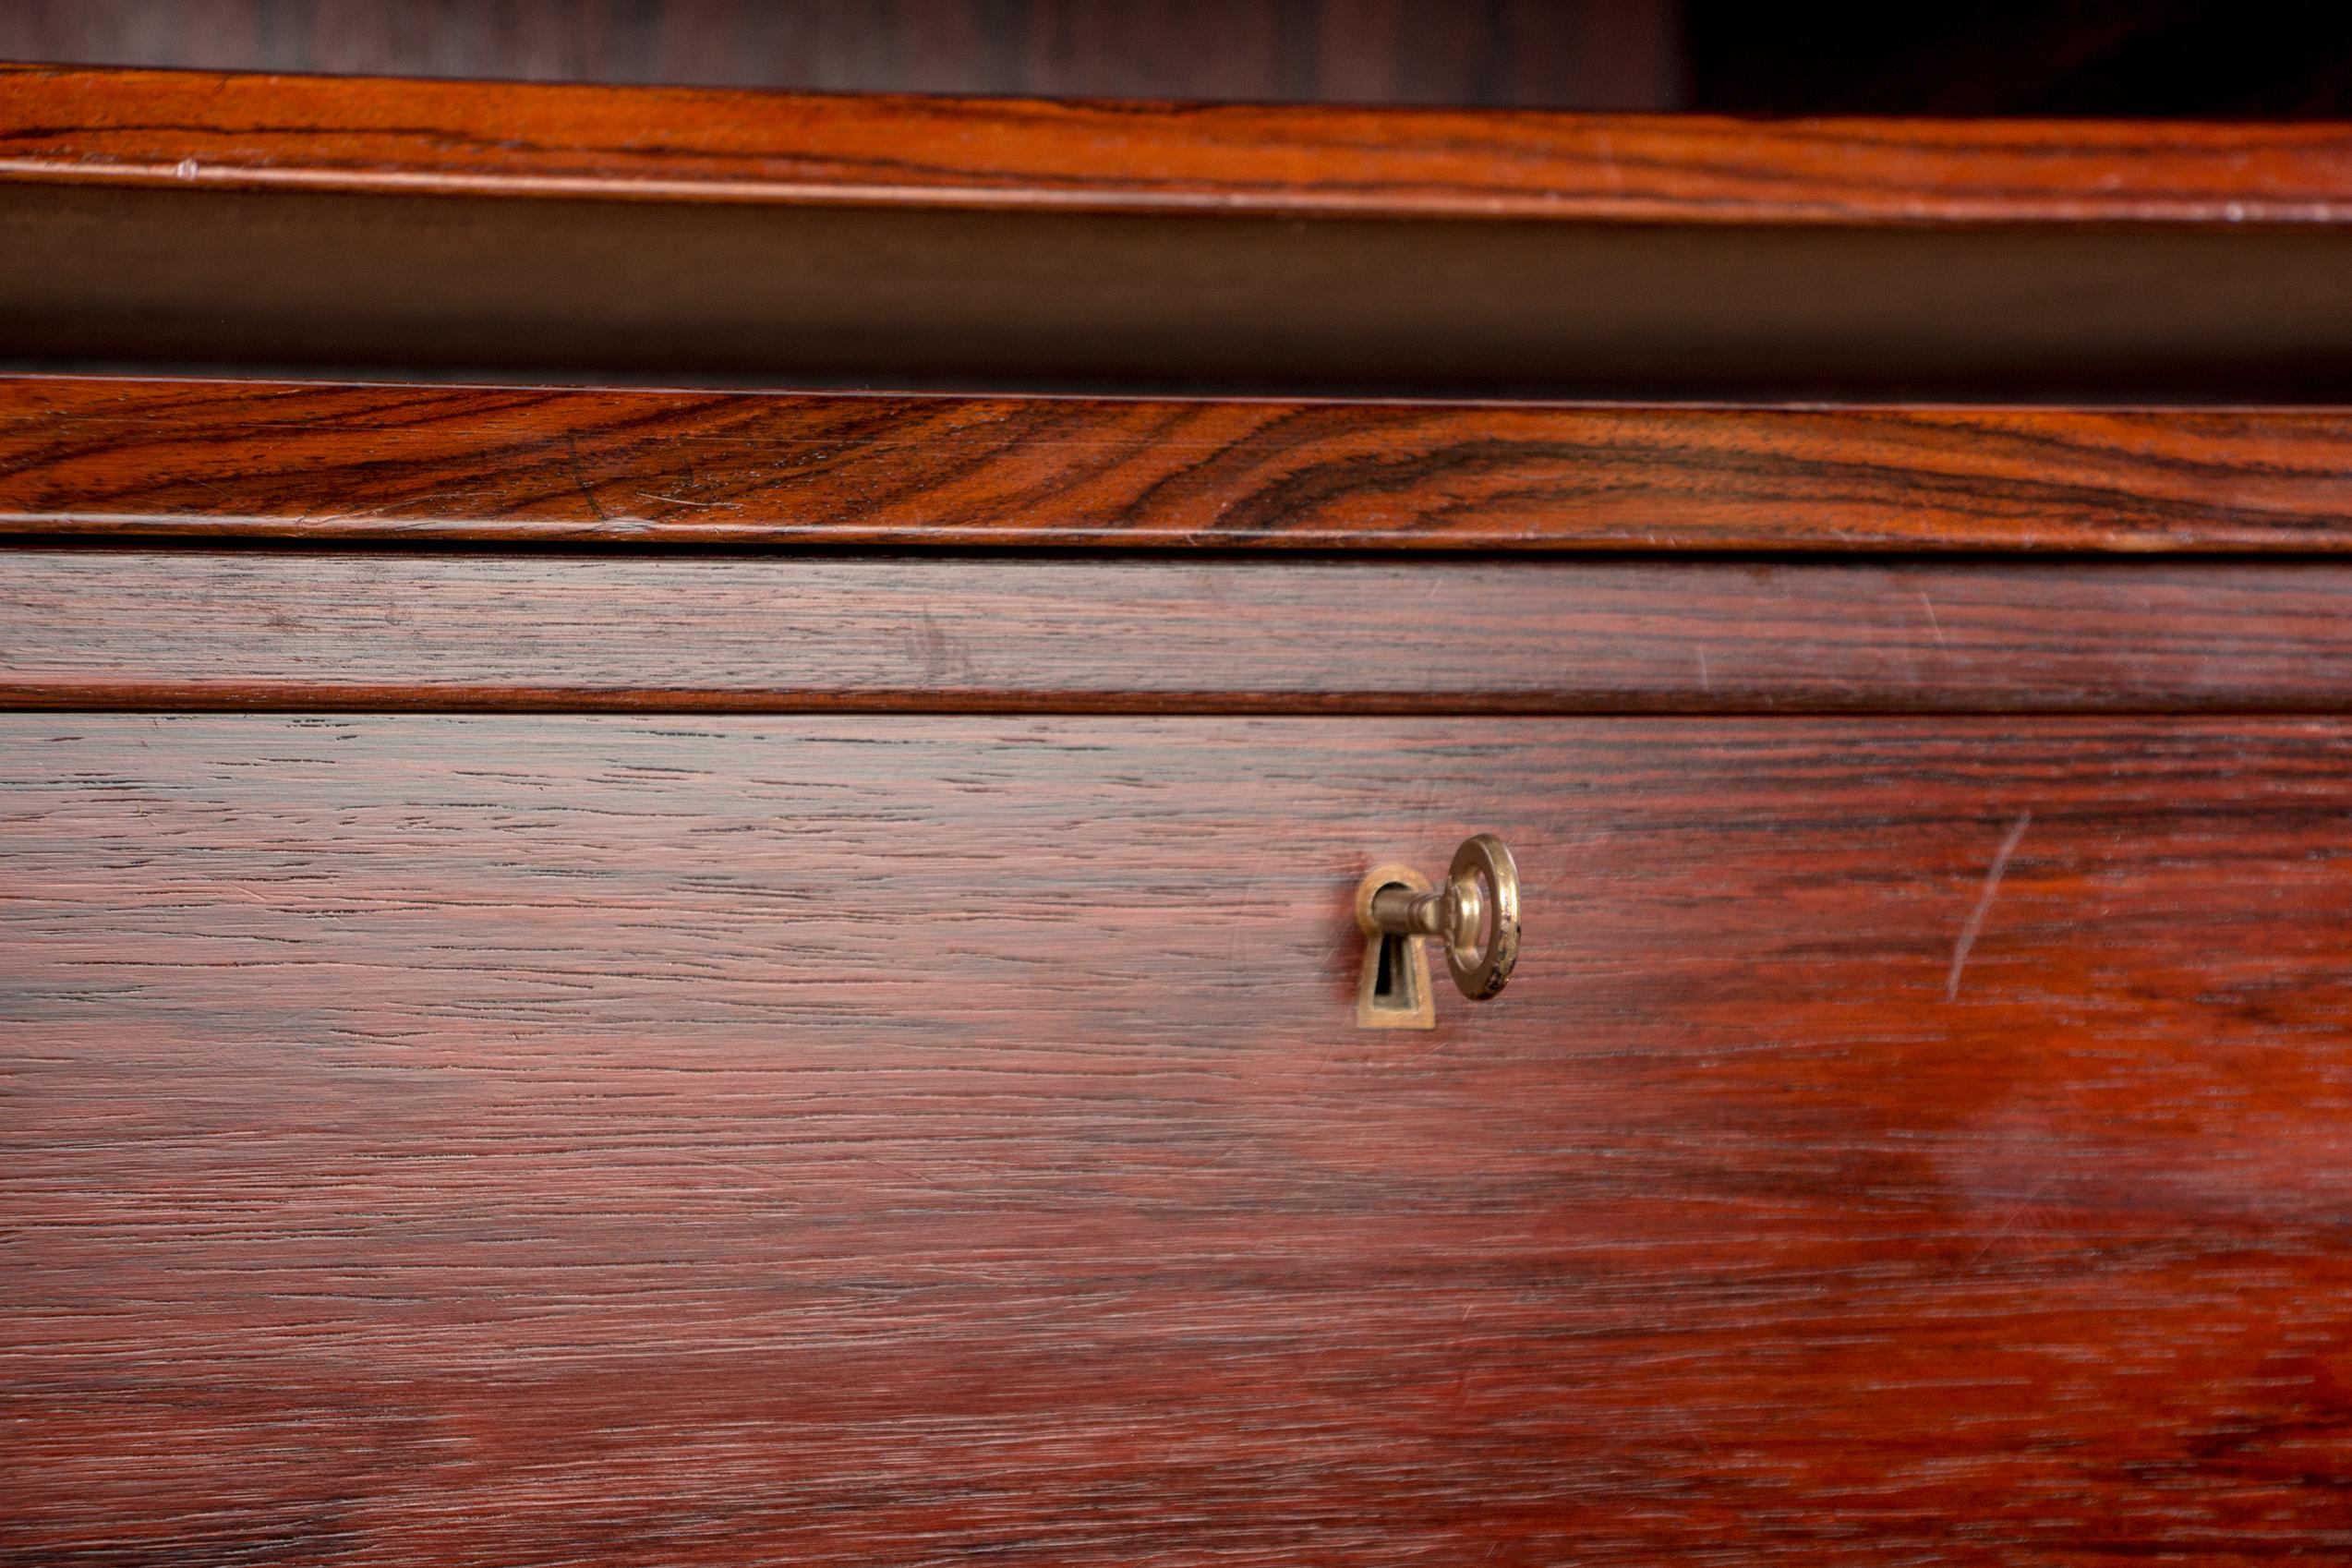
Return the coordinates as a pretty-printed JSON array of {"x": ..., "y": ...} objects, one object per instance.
[
  {"x": 1602, "y": 54},
  {"x": 2162, "y": 57}
]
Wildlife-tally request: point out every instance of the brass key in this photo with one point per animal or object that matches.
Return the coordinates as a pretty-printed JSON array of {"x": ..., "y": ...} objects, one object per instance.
[{"x": 1475, "y": 915}]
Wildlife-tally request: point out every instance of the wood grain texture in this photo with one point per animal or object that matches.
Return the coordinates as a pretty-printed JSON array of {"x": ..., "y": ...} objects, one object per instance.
[
  {"x": 396, "y": 630},
  {"x": 532, "y": 1140},
  {"x": 85, "y": 125},
  {"x": 99, "y": 455},
  {"x": 166, "y": 219}
]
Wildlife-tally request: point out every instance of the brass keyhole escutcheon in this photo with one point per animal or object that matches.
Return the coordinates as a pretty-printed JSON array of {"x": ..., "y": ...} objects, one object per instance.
[{"x": 1475, "y": 915}]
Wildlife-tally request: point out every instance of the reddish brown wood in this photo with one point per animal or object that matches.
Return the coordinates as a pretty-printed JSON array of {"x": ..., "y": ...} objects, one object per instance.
[
  {"x": 374, "y": 630},
  {"x": 315, "y": 460},
  {"x": 86, "y": 125},
  {"x": 162, "y": 218},
  {"x": 536, "y": 1141}
]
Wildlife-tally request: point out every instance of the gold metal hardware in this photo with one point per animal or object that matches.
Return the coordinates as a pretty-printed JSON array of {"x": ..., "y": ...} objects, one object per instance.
[
  {"x": 1394, "y": 992},
  {"x": 1475, "y": 915}
]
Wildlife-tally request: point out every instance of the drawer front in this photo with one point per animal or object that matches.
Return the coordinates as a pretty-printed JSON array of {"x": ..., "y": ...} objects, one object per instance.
[{"x": 535, "y": 1139}]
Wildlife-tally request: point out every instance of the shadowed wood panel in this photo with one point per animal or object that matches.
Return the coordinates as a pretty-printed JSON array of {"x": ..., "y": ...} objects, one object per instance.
[
  {"x": 323, "y": 460},
  {"x": 203, "y": 629},
  {"x": 163, "y": 217},
  {"x": 492, "y": 287},
  {"x": 86, "y": 125},
  {"x": 529, "y": 1140}
]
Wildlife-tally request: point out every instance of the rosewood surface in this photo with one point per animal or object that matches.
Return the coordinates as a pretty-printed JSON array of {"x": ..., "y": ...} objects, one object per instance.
[
  {"x": 399, "y": 629},
  {"x": 530, "y": 1140},
  {"x": 1916, "y": 1130},
  {"x": 325, "y": 460},
  {"x": 86, "y": 125},
  {"x": 160, "y": 218}
]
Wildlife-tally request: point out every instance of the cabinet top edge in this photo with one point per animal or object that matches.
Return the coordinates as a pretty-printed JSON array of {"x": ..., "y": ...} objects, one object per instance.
[{"x": 207, "y": 129}]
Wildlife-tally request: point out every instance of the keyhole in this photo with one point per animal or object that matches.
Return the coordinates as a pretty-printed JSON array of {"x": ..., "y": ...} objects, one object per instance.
[
  {"x": 1384, "y": 977},
  {"x": 1394, "y": 991}
]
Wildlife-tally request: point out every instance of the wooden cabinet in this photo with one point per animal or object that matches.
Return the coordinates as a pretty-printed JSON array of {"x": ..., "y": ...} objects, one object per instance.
[{"x": 731, "y": 974}]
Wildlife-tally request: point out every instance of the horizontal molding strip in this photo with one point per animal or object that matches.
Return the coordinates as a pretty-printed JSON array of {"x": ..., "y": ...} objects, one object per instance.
[
  {"x": 299, "y": 630},
  {"x": 197, "y": 130},
  {"x": 166, "y": 457}
]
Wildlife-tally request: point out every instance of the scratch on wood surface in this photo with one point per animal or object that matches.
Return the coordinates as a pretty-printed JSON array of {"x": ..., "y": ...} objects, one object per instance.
[
  {"x": 1933, "y": 624},
  {"x": 1983, "y": 904},
  {"x": 580, "y": 478}
]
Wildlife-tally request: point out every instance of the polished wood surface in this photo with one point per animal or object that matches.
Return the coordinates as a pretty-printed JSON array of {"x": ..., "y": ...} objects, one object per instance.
[
  {"x": 101, "y": 455},
  {"x": 192, "y": 219},
  {"x": 97, "y": 125},
  {"x": 532, "y": 1140},
  {"x": 371, "y": 630},
  {"x": 936, "y": 1133}
]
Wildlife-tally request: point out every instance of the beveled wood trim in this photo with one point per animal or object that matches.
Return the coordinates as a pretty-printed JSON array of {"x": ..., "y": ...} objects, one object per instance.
[
  {"x": 162, "y": 218},
  {"x": 89, "y": 125},
  {"x": 163, "y": 458},
  {"x": 399, "y": 630}
]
